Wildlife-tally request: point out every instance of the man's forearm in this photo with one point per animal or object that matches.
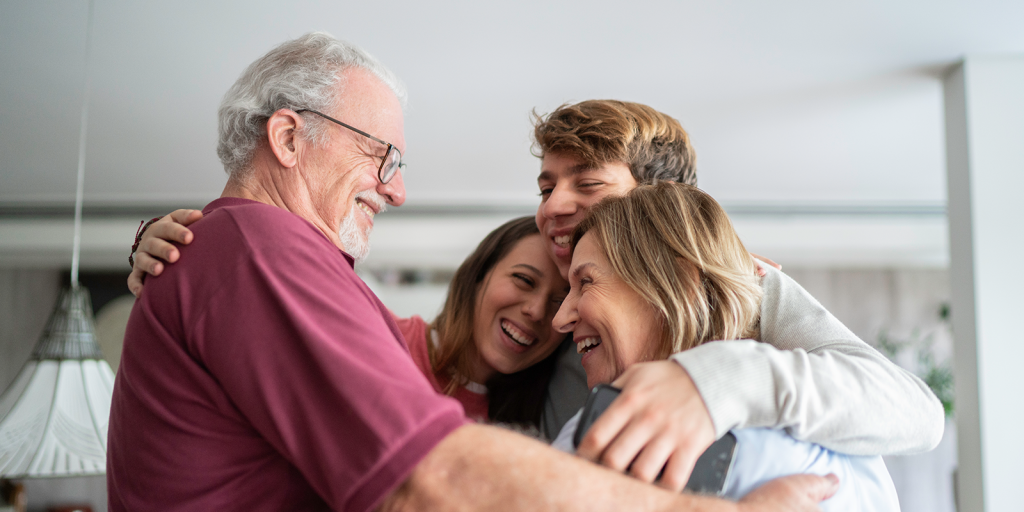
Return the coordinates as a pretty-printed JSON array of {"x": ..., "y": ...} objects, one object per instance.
[{"x": 485, "y": 468}]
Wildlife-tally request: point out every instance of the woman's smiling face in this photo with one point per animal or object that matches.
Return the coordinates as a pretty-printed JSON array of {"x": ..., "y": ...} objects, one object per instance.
[
  {"x": 612, "y": 325},
  {"x": 514, "y": 307}
]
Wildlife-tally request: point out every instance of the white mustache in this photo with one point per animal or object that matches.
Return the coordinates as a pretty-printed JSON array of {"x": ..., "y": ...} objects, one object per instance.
[{"x": 372, "y": 197}]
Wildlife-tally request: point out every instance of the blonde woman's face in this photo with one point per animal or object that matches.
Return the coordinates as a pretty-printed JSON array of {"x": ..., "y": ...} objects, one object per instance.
[
  {"x": 514, "y": 307},
  {"x": 612, "y": 325}
]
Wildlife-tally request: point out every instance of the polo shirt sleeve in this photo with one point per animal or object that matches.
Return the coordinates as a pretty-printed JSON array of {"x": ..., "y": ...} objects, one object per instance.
[{"x": 306, "y": 354}]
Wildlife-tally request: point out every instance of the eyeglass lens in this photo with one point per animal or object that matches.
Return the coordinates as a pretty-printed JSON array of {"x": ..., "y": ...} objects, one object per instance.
[{"x": 390, "y": 165}]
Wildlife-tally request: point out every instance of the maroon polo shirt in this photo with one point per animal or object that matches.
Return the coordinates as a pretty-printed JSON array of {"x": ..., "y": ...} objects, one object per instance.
[{"x": 260, "y": 373}]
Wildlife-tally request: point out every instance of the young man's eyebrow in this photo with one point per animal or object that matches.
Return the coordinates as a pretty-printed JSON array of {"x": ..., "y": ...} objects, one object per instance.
[
  {"x": 581, "y": 168},
  {"x": 573, "y": 171}
]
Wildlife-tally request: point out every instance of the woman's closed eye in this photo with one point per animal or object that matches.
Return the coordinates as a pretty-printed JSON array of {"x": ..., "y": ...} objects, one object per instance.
[{"x": 524, "y": 280}]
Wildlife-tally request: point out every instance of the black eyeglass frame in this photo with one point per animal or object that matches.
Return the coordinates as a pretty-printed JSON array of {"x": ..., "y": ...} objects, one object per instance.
[{"x": 384, "y": 179}]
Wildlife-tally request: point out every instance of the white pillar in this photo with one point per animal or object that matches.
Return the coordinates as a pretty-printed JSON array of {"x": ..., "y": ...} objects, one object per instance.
[{"x": 984, "y": 101}]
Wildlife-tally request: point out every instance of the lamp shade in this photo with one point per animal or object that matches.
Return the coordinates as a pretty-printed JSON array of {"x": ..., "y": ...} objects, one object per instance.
[{"x": 54, "y": 416}]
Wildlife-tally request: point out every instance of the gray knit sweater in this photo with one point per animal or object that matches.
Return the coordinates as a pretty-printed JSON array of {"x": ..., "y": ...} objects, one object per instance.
[{"x": 813, "y": 377}]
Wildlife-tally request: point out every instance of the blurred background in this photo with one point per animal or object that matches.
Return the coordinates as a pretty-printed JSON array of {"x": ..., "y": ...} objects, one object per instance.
[{"x": 819, "y": 126}]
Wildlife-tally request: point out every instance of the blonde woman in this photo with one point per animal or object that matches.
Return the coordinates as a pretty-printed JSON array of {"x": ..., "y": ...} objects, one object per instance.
[{"x": 661, "y": 271}]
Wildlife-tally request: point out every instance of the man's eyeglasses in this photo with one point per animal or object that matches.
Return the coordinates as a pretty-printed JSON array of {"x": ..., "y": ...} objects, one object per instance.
[{"x": 389, "y": 164}]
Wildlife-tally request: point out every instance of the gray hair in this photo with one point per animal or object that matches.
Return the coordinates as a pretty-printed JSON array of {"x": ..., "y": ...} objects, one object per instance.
[{"x": 299, "y": 74}]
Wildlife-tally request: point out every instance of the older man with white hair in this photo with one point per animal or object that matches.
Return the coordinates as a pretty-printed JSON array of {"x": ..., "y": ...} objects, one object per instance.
[{"x": 261, "y": 373}]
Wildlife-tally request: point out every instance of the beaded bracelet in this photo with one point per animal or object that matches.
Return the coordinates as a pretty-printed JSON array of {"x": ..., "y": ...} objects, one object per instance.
[{"x": 143, "y": 226}]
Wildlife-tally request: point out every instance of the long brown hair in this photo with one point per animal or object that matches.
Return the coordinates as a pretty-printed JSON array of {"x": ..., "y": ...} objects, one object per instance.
[
  {"x": 515, "y": 398},
  {"x": 675, "y": 246}
]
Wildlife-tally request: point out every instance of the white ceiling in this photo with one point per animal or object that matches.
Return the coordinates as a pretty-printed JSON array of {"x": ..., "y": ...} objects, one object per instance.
[{"x": 787, "y": 102}]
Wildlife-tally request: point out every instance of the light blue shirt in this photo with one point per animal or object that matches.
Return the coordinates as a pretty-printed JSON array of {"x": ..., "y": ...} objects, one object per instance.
[{"x": 763, "y": 454}]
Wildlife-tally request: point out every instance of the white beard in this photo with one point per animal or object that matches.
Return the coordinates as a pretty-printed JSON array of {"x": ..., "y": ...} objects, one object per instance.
[{"x": 356, "y": 242}]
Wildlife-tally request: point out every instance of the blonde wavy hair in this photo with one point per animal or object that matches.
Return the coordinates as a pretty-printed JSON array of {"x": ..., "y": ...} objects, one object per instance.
[{"x": 675, "y": 246}]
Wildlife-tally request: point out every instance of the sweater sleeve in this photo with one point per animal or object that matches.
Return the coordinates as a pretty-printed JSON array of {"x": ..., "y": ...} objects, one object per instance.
[{"x": 814, "y": 378}]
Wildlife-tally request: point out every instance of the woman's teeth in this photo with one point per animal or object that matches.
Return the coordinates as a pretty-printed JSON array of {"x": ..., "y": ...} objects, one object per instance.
[
  {"x": 586, "y": 345},
  {"x": 516, "y": 335},
  {"x": 562, "y": 241}
]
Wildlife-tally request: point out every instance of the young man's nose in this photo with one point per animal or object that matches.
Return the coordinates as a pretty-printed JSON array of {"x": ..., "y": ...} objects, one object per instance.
[{"x": 561, "y": 202}]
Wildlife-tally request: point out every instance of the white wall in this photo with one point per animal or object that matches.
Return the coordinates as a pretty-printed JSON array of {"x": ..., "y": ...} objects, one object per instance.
[{"x": 985, "y": 127}]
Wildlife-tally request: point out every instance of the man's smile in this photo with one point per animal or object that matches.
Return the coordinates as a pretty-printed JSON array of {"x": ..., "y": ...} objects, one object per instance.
[{"x": 368, "y": 208}]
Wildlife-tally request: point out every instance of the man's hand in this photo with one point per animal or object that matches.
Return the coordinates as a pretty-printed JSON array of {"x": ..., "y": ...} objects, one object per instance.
[
  {"x": 659, "y": 419},
  {"x": 155, "y": 247},
  {"x": 798, "y": 493}
]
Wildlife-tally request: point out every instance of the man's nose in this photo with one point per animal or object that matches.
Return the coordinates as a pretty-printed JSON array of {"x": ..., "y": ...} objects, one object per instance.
[
  {"x": 394, "y": 190},
  {"x": 560, "y": 202}
]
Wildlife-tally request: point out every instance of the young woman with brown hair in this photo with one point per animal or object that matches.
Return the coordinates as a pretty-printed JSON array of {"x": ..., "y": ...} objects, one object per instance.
[{"x": 491, "y": 346}]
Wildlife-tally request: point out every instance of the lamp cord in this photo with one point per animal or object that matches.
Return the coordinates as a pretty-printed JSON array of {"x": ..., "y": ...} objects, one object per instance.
[{"x": 80, "y": 191}]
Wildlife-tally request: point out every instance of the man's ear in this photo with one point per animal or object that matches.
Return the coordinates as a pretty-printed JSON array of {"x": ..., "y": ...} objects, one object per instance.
[{"x": 281, "y": 135}]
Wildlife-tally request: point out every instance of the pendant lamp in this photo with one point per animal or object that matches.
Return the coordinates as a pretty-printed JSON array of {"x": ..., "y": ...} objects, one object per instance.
[
  {"x": 56, "y": 411},
  {"x": 53, "y": 417}
]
